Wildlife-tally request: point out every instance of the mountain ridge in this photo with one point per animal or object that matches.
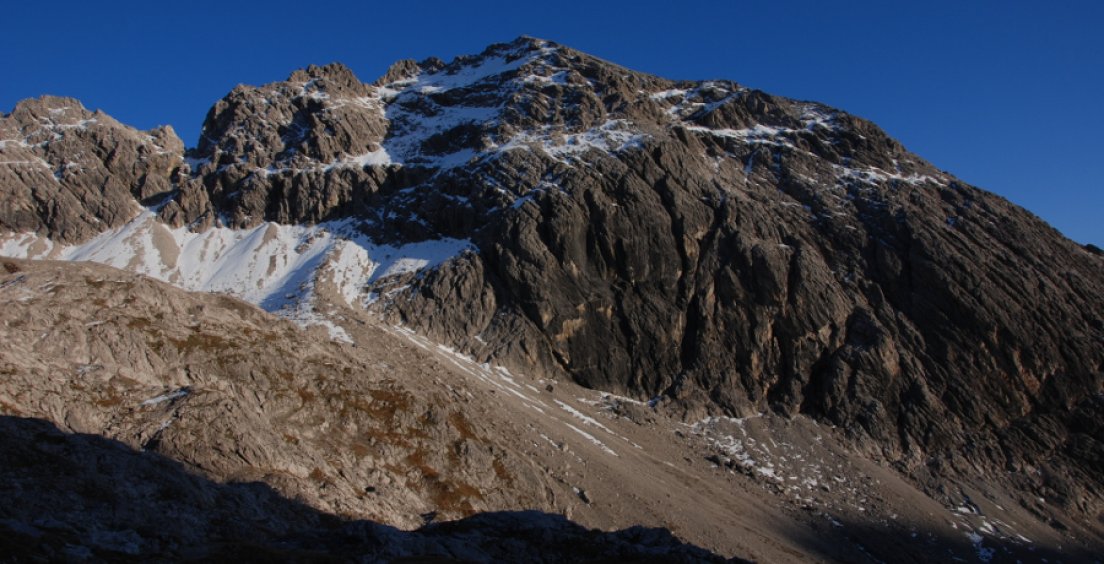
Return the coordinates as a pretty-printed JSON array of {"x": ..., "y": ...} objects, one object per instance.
[{"x": 715, "y": 248}]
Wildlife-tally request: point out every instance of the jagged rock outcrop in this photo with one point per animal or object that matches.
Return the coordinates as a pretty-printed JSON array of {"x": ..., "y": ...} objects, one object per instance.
[
  {"x": 69, "y": 173},
  {"x": 720, "y": 248},
  {"x": 293, "y": 152},
  {"x": 735, "y": 251}
]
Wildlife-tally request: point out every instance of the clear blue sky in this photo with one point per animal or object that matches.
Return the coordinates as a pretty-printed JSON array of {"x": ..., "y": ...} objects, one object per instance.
[{"x": 1007, "y": 95}]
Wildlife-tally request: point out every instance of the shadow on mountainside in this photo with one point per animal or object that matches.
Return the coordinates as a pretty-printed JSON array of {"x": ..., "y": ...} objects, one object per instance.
[
  {"x": 74, "y": 497},
  {"x": 901, "y": 543}
]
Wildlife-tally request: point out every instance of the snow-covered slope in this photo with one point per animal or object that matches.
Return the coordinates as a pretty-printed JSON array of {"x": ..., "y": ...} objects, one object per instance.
[{"x": 271, "y": 265}]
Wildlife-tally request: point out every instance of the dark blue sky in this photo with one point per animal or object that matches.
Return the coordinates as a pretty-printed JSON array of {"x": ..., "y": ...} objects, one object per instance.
[{"x": 1007, "y": 95}]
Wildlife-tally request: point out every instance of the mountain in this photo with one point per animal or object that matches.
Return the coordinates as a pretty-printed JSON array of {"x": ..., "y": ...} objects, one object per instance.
[
  {"x": 712, "y": 250},
  {"x": 200, "y": 427},
  {"x": 141, "y": 421}
]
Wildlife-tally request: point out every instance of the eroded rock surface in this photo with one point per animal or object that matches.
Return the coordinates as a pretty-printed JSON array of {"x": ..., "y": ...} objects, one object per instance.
[
  {"x": 70, "y": 173},
  {"x": 720, "y": 249}
]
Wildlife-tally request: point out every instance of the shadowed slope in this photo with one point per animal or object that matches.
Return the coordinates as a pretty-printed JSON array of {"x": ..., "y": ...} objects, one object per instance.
[{"x": 75, "y": 496}]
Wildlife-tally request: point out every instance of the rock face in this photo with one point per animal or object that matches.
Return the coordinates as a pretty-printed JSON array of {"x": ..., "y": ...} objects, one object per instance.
[
  {"x": 141, "y": 421},
  {"x": 720, "y": 248},
  {"x": 70, "y": 173},
  {"x": 292, "y": 152},
  {"x": 735, "y": 252}
]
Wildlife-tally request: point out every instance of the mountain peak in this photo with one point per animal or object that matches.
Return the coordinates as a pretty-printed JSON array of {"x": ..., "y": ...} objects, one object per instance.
[
  {"x": 708, "y": 247},
  {"x": 521, "y": 44},
  {"x": 334, "y": 73},
  {"x": 404, "y": 69},
  {"x": 334, "y": 79},
  {"x": 49, "y": 107}
]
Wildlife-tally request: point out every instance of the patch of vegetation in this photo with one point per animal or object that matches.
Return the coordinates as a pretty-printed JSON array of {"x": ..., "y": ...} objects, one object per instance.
[
  {"x": 305, "y": 395},
  {"x": 446, "y": 495},
  {"x": 202, "y": 342},
  {"x": 139, "y": 323},
  {"x": 9, "y": 409},
  {"x": 463, "y": 427},
  {"x": 501, "y": 472},
  {"x": 112, "y": 399},
  {"x": 319, "y": 476}
]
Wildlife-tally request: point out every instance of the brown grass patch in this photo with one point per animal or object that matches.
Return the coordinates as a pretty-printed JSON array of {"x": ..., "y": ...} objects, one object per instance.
[
  {"x": 110, "y": 400},
  {"x": 384, "y": 405},
  {"x": 305, "y": 395},
  {"x": 501, "y": 472},
  {"x": 201, "y": 342},
  {"x": 417, "y": 460},
  {"x": 447, "y": 495},
  {"x": 139, "y": 323},
  {"x": 360, "y": 450},
  {"x": 462, "y": 426}
]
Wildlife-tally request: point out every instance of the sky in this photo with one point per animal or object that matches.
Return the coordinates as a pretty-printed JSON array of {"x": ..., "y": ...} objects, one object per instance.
[{"x": 1006, "y": 95}]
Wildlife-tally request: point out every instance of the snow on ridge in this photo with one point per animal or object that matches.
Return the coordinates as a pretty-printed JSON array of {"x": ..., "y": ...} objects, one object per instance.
[
  {"x": 21, "y": 143},
  {"x": 271, "y": 265},
  {"x": 466, "y": 75},
  {"x": 692, "y": 102},
  {"x": 411, "y": 126},
  {"x": 170, "y": 396},
  {"x": 815, "y": 115},
  {"x": 873, "y": 176},
  {"x": 672, "y": 93},
  {"x": 558, "y": 77},
  {"x": 409, "y": 129},
  {"x": 379, "y": 157},
  {"x": 413, "y": 116},
  {"x": 612, "y": 136},
  {"x": 468, "y": 72},
  {"x": 760, "y": 134}
]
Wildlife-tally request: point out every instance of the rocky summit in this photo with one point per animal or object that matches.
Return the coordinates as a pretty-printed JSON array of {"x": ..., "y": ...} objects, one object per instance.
[{"x": 683, "y": 275}]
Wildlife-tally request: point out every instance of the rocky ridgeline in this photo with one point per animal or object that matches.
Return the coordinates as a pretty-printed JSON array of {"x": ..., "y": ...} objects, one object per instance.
[
  {"x": 723, "y": 249},
  {"x": 71, "y": 173}
]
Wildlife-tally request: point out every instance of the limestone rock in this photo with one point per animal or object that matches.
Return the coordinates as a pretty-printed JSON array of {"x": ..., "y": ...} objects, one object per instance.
[
  {"x": 294, "y": 151},
  {"x": 717, "y": 248},
  {"x": 69, "y": 173}
]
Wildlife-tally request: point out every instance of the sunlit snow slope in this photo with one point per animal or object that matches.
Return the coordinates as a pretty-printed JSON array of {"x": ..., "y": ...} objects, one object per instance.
[{"x": 273, "y": 266}]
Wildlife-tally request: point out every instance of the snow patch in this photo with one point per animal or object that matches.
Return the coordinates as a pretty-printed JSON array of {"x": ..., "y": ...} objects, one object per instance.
[
  {"x": 672, "y": 93},
  {"x": 592, "y": 439},
  {"x": 758, "y": 135},
  {"x": 875, "y": 176},
  {"x": 583, "y": 417},
  {"x": 612, "y": 136},
  {"x": 173, "y": 395},
  {"x": 984, "y": 553},
  {"x": 273, "y": 266}
]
